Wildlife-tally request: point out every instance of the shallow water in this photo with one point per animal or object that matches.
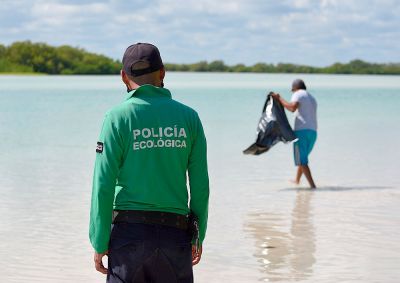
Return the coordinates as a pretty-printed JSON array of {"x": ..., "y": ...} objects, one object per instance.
[{"x": 261, "y": 228}]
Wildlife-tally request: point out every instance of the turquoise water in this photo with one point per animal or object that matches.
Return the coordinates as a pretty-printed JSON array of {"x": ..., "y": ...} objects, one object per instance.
[{"x": 261, "y": 227}]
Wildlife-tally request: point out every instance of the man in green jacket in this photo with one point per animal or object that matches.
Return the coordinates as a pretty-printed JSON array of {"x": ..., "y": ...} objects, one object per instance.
[{"x": 148, "y": 146}]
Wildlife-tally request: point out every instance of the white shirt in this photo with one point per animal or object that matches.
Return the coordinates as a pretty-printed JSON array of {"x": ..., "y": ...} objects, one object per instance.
[{"x": 306, "y": 114}]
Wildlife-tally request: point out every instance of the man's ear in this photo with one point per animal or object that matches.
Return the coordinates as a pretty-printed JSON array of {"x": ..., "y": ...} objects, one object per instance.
[
  {"x": 124, "y": 77},
  {"x": 162, "y": 73}
]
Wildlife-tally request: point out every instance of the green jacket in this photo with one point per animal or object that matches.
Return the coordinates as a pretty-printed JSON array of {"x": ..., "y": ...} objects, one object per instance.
[{"x": 147, "y": 147}]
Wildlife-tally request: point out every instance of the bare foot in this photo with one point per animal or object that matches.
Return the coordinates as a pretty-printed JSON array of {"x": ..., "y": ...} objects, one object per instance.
[{"x": 294, "y": 182}]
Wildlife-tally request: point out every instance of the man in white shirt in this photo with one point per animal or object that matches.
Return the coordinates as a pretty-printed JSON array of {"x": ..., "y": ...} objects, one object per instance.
[{"x": 305, "y": 127}]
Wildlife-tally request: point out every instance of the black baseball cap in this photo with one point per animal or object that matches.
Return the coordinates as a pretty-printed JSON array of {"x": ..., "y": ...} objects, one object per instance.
[{"x": 141, "y": 52}]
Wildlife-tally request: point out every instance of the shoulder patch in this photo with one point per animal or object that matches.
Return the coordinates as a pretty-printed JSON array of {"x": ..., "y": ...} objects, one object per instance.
[{"x": 99, "y": 148}]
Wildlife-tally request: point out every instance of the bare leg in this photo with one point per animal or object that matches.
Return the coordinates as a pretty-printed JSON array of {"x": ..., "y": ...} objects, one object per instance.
[
  {"x": 306, "y": 170},
  {"x": 298, "y": 175}
]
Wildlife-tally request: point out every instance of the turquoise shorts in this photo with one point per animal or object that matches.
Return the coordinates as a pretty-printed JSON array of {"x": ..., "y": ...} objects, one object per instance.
[{"x": 303, "y": 146}]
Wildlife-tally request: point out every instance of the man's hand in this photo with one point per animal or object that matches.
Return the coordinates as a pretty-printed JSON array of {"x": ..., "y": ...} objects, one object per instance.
[
  {"x": 98, "y": 262},
  {"x": 275, "y": 95},
  {"x": 291, "y": 106},
  {"x": 196, "y": 254}
]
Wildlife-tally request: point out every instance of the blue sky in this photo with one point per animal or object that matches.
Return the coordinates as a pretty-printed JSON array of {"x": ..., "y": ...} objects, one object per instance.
[{"x": 311, "y": 32}]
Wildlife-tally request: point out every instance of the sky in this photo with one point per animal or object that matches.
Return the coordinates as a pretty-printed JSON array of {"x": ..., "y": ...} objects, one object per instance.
[{"x": 309, "y": 32}]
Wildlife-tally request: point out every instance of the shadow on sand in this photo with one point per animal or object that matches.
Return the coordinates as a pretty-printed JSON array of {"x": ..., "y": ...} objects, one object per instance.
[{"x": 337, "y": 188}]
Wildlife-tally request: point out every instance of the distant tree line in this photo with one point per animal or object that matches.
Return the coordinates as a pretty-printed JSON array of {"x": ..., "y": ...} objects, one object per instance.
[
  {"x": 353, "y": 67},
  {"x": 28, "y": 57}
]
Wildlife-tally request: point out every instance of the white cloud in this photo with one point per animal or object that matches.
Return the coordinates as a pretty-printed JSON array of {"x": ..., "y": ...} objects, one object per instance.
[
  {"x": 302, "y": 3},
  {"x": 247, "y": 31},
  {"x": 59, "y": 14}
]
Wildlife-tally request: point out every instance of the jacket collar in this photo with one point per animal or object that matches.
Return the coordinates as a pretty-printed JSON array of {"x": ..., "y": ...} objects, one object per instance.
[{"x": 148, "y": 91}]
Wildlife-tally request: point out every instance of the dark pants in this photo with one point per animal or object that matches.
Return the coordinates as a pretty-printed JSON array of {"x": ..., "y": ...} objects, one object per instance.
[{"x": 149, "y": 253}]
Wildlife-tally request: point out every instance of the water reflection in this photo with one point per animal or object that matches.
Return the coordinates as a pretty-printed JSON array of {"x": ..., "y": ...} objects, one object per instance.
[{"x": 285, "y": 247}]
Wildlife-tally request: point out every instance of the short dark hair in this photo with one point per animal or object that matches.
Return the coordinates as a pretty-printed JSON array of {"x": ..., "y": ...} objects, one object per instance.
[{"x": 299, "y": 84}]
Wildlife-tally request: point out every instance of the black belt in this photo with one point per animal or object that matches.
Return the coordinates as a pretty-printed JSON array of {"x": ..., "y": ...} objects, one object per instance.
[{"x": 151, "y": 217}]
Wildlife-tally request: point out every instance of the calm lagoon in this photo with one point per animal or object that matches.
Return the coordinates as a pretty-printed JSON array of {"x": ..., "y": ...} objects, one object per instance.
[{"x": 261, "y": 228}]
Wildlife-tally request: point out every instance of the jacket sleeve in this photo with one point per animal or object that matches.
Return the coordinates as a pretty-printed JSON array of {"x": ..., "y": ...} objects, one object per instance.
[
  {"x": 198, "y": 178},
  {"x": 108, "y": 159}
]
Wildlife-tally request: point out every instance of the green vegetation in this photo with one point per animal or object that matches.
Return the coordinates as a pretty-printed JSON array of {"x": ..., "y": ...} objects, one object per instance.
[
  {"x": 353, "y": 67},
  {"x": 28, "y": 57}
]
